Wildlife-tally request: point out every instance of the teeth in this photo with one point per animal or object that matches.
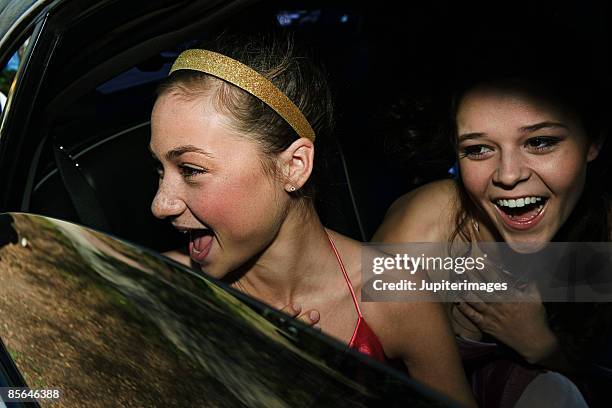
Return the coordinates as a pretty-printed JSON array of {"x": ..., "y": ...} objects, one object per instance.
[{"x": 520, "y": 202}]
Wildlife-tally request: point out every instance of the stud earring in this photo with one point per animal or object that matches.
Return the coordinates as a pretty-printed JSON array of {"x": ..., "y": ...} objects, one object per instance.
[{"x": 292, "y": 189}]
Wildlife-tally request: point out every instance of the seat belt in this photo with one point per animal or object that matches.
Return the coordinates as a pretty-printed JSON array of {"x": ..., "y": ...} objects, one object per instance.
[
  {"x": 82, "y": 194},
  {"x": 364, "y": 238}
]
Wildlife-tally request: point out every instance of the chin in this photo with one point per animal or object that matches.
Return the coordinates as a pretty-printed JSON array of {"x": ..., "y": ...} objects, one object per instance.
[
  {"x": 210, "y": 269},
  {"x": 527, "y": 247},
  {"x": 526, "y": 244}
]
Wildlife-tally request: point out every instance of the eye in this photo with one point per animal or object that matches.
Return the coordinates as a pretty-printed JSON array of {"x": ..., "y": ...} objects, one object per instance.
[
  {"x": 189, "y": 171},
  {"x": 475, "y": 151},
  {"x": 542, "y": 143}
]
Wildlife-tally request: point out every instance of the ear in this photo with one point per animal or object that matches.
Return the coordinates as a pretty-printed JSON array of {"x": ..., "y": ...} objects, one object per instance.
[
  {"x": 296, "y": 163},
  {"x": 595, "y": 148}
]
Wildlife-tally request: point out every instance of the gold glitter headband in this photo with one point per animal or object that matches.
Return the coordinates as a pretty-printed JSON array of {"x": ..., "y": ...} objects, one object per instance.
[{"x": 253, "y": 82}]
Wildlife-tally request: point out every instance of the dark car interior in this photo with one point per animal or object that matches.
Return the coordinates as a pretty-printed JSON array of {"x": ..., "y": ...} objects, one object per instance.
[
  {"x": 104, "y": 128},
  {"x": 390, "y": 70}
]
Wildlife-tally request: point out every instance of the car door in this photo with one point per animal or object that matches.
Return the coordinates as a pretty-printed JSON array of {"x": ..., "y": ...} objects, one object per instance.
[{"x": 105, "y": 323}]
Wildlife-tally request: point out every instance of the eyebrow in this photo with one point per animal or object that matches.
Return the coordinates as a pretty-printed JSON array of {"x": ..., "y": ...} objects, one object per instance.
[
  {"x": 523, "y": 129},
  {"x": 178, "y": 151},
  {"x": 469, "y": 136},
  {"x": 541, "y": 125}
]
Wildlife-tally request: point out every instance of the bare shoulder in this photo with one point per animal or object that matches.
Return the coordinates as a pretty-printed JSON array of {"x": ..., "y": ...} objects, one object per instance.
[
  {"x": 420, "y": 334},
  {"x": 350, "y": 252},
  {"x": 405, "y": 326},
  {"x": 426, "y": 214}
]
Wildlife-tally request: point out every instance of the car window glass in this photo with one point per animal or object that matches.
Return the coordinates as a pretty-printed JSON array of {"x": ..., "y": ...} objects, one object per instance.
[
  {"x": 8, "y": 74},
  {"x": 111, "y": 324}
]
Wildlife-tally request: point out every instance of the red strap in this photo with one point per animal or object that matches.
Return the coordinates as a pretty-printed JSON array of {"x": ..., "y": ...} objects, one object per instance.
[{"x": 346, "y": 277}]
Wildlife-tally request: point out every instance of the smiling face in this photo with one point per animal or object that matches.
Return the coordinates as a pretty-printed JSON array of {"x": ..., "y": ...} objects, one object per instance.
[
  {"x": 522, "y": 161},
  {"x": 212, "y": 184}
]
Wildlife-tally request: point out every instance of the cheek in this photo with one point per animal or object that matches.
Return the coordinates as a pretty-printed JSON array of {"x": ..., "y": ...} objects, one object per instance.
[
  {"x": 236, "y": 206},
  {"x": 476, "y": 177},
  {"x": 565, "y": 174}
]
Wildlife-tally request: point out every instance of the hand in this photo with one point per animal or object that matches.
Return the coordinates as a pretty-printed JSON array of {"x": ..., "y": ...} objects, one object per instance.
[
  {"x": 520, "y": 325},
  {"x": 309, "y": 317},
  {"x": 463, "y": 327}
]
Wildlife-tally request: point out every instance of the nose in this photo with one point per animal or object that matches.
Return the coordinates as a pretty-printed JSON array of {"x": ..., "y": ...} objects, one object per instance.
[
  {"x": 167, "y": 202},
  {"x": 511, "y": 170}
]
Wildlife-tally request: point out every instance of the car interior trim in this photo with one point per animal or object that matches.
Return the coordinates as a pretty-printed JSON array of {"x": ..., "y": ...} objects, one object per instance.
[{"x": 89, "y": 148}]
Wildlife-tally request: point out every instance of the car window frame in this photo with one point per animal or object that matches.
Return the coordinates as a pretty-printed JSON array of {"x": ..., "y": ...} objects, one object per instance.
[{"x": 14, "y": 120}]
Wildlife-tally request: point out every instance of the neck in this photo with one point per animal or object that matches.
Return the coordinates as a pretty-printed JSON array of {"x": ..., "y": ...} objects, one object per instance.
[{"x": 293, "y": 266}]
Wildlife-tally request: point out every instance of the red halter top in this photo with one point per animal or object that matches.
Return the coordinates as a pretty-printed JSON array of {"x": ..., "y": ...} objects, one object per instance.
[{"x": 364, "y": 339}]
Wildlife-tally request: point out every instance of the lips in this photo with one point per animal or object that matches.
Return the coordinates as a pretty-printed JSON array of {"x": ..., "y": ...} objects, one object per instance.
[
  {"x": 524, "y": 217},
  {"x": 200, "y": 244}
]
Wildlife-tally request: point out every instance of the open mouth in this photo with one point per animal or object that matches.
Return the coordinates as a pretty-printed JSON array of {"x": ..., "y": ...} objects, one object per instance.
[
  {"x": 200, "y": 243},
  {"x": 521, "y": 213}
]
